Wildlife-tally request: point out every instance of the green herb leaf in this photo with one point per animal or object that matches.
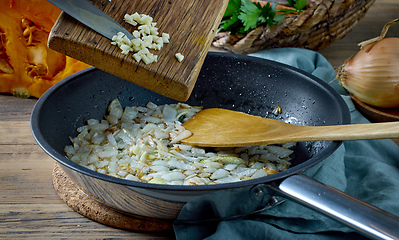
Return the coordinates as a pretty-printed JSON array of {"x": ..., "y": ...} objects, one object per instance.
[
  {"x": 233, "y": 8},
  {"x": 297, "y": 4},
  {"x": 250, "y": 14},
  {"x": 230, "y": 21},
  {"x": 268, "y": 15},
  {"x": 232, "y": 24},
  {"x": 242, "y": 16}
]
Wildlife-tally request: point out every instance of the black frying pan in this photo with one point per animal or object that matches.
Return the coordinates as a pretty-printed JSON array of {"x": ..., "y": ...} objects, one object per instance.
[{"x": 252, "y": 85}]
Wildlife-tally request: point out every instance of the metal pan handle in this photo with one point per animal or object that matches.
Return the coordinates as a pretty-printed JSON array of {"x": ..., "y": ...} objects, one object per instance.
[{"x": 363, "y": 217}]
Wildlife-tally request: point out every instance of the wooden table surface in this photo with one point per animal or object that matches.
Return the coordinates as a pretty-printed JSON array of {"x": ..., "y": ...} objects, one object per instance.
[{"x": 30, "y": 206}]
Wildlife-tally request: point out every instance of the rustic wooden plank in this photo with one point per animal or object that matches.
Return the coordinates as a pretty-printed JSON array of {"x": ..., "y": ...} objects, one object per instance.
[
  {"x": 30, "y": 206},
  {"x": 57, "y": 221},
  {"x": 14, "y": 108},
  {"x": 26, "y": 175},
  {"x": 16, "y": 132},
  {"x": 191, "y": 25}
]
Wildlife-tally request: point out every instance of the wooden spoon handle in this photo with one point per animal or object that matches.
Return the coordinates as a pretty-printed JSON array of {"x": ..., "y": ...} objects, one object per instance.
[
  {"x": 348, "y": 132},
  {"x": 225, "y": 128},
  {"x": 282, "y": 133},
  {"x": 296, "y": 133}
]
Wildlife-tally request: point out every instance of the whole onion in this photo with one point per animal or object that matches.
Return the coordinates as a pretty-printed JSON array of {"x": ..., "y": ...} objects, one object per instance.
[{"x": 372, "y": 75}]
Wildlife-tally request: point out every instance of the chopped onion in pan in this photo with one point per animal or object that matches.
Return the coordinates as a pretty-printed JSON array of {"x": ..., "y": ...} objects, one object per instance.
[{"x": 142, "y": 144}]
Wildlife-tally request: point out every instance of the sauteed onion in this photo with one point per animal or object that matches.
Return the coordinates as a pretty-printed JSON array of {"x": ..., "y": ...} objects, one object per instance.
[
  {"x": 373, "y": 74},
  {"x": 142, "y": 144}
]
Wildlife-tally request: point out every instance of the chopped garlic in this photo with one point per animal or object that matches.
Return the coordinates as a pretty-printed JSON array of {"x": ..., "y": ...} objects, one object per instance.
[
  {"x": 144, "y": 29},
  {"x": 129, "y": 19},
  {"x": 136, "y": 34},
  {"x": 137, "y": 57},
  {"x": 146, "y": 37},
  {"x": 145, "y": 20},
  {"x": 165, "y": 37},
  {"x": 179, "y": 57}
]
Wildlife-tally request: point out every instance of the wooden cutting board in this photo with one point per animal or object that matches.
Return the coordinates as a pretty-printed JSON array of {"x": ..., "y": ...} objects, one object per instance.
[{"x": 191, "y": 25}]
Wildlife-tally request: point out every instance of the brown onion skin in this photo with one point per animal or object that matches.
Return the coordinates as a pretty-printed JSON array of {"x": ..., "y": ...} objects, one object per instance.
[{"x": 372, "y": 75}]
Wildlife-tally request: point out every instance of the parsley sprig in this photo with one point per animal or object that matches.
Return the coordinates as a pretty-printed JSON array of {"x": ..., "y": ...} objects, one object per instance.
[{"x": 242, "y": 16}]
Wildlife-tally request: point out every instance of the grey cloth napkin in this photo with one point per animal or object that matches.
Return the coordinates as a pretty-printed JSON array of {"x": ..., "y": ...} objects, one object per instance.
[{"x": 367, "y": 170}]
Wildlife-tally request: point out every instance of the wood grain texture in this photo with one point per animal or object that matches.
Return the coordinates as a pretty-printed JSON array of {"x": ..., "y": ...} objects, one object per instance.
[
  {"x": 190, "y": 24},
  {"x": 80, "y": 202},
  {"x": 216, "y": 127},
  {"x": 375, "y": 114},
  {"x": 57, "y": 221},
  {"x": 29, "y": 205}
]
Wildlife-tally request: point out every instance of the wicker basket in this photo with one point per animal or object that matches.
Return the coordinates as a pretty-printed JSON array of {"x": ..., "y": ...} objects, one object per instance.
[{"x": 323, "y": 22}]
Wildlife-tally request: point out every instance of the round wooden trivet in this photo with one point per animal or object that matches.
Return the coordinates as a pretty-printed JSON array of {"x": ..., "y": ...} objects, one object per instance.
[{"x": 88, "y": 207}]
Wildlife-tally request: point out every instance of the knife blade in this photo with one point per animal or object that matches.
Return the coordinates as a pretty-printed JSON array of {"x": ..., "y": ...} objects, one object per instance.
[{"x": 92, "y": 17}]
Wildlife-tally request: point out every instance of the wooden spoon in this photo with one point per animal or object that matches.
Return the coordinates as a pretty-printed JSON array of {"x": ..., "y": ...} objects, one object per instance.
[{"x": 216, "y": 127}]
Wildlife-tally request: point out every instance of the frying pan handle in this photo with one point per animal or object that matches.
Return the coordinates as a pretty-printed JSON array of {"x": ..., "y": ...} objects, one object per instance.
[{"x": 363, "y": 217}]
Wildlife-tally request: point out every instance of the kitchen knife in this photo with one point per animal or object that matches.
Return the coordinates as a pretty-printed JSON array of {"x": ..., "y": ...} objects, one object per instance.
[
  {"x": 191, "y": 34},
  {"x": 91, "y": 16}
]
